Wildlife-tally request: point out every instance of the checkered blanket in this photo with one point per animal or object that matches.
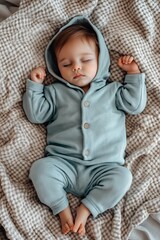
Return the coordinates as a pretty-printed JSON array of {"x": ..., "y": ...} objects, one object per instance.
[{"x": 129, "y": 27}]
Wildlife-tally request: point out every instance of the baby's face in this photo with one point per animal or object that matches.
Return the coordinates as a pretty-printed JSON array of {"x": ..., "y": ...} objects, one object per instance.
[{"x": 78, "y": 62}]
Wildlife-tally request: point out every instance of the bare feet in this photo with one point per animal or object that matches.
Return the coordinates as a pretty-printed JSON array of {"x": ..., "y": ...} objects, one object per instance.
[
  {"x": 66, "y": 220},
  {"x": 81, "y": 219}
]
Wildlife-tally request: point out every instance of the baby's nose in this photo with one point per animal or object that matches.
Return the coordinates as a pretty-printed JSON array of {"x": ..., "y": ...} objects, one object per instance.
[{"x": 76, "y": 67}]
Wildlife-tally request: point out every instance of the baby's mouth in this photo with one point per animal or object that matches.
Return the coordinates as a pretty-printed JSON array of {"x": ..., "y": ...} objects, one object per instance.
[{"x": 78, "y": 76}]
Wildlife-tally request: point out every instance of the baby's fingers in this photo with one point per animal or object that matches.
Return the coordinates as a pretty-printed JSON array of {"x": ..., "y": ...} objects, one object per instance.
[
  {"x": 38, "y": 74},
  {"x": 41, "y": 71},
  {"x": 127, "y": 59}
]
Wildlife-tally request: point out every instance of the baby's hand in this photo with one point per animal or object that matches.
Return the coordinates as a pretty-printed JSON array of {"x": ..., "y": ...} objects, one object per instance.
[
  {"x": 128, "y": 64},
  {"x": 38, "y": 74}
]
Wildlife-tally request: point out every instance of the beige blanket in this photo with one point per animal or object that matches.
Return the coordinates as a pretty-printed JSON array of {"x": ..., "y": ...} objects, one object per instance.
[{"x": 129, "y": 27}]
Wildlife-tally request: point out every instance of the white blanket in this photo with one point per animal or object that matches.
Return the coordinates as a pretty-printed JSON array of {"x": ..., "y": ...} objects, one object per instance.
[{"x": 129, "y": 27}]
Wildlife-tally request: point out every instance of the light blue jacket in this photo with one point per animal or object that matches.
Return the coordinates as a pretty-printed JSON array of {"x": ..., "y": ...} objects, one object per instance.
[{"x": 88, "y": 128}]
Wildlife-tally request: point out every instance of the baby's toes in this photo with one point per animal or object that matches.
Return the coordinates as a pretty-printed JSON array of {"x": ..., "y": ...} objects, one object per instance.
[
  {"x": 81, "y": 230},
  {"x": 65, "y": 228}
]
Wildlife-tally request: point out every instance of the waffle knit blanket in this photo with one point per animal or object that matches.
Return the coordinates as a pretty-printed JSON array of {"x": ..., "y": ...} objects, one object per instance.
[{"x": 129, "y": 27}]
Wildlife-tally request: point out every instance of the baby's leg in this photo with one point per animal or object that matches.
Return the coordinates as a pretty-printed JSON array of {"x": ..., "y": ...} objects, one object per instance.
[
  {"x": 66, "y": 220},
  {"x": 109, "y": 188},
  {"x": 50, "y": 182},
  {"x": 81, "y": 219}
]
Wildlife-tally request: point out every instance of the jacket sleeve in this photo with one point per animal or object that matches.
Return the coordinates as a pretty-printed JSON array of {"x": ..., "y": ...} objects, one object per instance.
[
  {"x": 131, "y": 97},
  {"x": 38, "y": 102}
]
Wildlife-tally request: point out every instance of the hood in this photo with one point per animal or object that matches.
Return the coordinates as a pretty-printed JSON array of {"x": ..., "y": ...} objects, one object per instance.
[{"x": 104, "y": 60}]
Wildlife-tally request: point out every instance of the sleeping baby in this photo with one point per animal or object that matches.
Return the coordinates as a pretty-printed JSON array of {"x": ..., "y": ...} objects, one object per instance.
[{"x": 85, "y": 117}]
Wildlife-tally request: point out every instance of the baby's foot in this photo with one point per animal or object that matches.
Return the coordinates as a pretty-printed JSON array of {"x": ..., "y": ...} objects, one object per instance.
[
  {"x": 66, "y": 220},
  {"x": 81, "y": 219}
]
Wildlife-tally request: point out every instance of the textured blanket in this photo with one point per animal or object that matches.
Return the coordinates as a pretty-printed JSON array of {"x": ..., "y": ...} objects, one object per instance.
[
  {"x": 129, "y": 27},
  {"x": 8, "y": 7}
]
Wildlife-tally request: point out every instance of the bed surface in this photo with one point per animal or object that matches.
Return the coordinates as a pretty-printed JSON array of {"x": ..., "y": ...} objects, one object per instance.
[{"x": 129, "y": 27}]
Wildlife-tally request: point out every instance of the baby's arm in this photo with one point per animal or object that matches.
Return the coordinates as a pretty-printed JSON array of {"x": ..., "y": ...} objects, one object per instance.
[
  {"x": 38, "y": 100},
  {"x": 131, "y": 96}
]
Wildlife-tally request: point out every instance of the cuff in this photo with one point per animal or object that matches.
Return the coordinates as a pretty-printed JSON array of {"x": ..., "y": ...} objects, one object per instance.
[
  {"x": 129, "y": 78},
  {"x": 34, "y": 86}
]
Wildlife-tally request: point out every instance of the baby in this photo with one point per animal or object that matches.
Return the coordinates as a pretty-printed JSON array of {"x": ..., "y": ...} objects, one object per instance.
[{"x": 85, "y": 116}]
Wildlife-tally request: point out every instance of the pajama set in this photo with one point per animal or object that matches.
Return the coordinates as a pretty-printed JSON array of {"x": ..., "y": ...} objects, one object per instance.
[{"x": 86, "y": 133}]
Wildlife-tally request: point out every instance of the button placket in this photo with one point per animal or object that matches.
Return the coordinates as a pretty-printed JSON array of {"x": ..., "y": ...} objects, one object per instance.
[{"x": 86, "y": 126}]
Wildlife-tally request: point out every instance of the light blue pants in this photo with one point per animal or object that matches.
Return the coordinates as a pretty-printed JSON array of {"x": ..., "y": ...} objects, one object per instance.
[{"x": 101, "y": 187}]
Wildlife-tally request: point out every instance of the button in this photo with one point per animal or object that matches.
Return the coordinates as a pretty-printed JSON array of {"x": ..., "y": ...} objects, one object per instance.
[
  {"x": 86, "y": 103},
  {"x": 86, "y": 125},
  {"x": 86, "y": 152}
]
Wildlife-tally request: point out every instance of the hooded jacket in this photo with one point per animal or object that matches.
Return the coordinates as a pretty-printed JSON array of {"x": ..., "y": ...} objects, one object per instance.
[{"x": 87, "y": 128}]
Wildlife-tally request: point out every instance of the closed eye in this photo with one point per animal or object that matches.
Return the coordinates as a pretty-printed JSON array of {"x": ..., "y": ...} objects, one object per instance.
[
  {"x": 67, "y": 65},
  {"x": 86, "y": 60}
]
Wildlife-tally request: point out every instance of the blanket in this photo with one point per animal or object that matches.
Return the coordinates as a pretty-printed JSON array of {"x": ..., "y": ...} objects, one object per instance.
[
  {"x": 129, "y": 27},
  {"x": 7, "y": 8}
]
